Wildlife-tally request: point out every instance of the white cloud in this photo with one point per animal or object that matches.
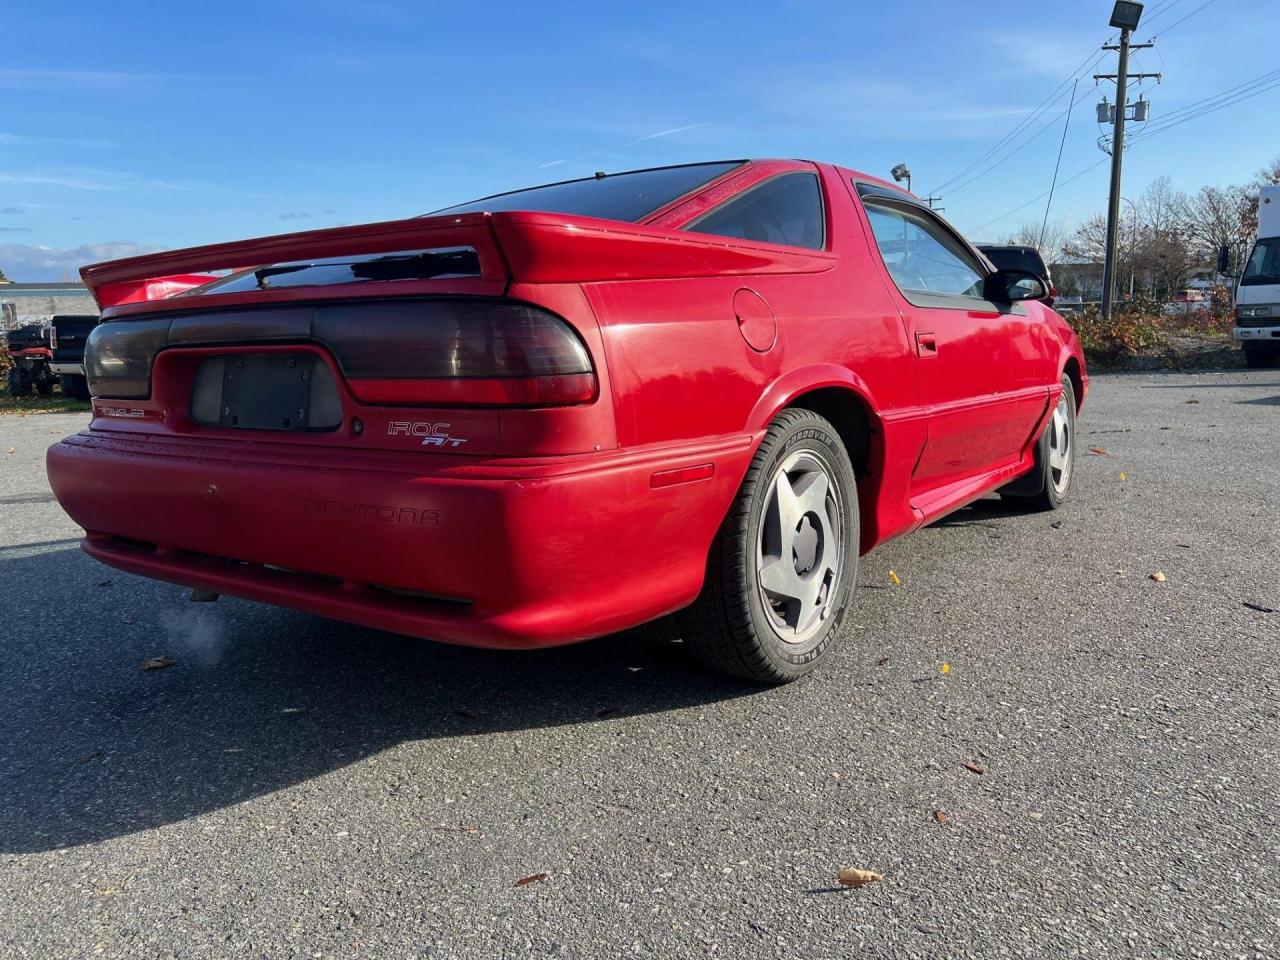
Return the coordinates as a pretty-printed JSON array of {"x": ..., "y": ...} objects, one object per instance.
[
  {"x": 663, "y": 133},
  {"x": 23, "y": 263},
  {"x": 77, "y": 79},
  {"x": 96, "y": 180}
]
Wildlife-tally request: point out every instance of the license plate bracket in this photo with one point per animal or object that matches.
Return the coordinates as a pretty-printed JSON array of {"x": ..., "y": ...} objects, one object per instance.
[{"x": 259, "y": 391}]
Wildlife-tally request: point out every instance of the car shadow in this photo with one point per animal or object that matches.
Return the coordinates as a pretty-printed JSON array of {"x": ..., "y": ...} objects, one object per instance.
[
  {"x": 986, "y": 511},
  {"x": 260, "y": 698}
]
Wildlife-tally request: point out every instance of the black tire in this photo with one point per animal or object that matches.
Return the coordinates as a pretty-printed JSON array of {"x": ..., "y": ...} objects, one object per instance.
[
  {"x": 17, "y": 382},
  {"x": 1260, "y": 356},
  {"x": 1056, "y": 488},
  {"x": 74, "y": 386},
  {"x": 44, "y": 386},
  {"x": 735, "y": 626}
]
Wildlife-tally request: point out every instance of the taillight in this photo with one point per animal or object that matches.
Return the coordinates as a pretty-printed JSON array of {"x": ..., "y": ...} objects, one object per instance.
[
  {"x": 456, "y": 353},
  {"x": 118, "y": 355}
]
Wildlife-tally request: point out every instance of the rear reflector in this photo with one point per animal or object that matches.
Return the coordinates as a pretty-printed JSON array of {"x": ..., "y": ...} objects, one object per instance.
[{"x": 669, "y": 478}]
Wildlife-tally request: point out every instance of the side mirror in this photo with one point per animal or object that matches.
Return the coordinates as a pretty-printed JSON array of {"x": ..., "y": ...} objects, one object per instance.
[
  {"x": 1224, "y": 259},
  {"x": 1008, "y": 286}
]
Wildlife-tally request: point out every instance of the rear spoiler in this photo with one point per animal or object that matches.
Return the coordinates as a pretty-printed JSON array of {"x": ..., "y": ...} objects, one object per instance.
[
  {"x": 520, "y": 246},
  {"x": 158, "y": 275}
]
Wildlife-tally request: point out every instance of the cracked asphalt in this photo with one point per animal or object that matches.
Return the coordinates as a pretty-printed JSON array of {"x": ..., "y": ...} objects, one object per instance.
[{"x": 299, "y": 787}]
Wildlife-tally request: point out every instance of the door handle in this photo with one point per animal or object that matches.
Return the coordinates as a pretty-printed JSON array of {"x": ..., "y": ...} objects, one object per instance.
[{"x": 926, "y": 345}]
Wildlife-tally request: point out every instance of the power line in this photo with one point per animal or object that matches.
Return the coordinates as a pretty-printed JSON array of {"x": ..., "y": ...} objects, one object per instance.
[
  {"x": 1189, "y": 15},
  {"x": 1217, "y": 101},
  {"x": 1025, "y": 143},
  {"x": 1058, "y": 163},
  {"x": 1054, "y": 96},
  {"x": 1202, "y": 108}
]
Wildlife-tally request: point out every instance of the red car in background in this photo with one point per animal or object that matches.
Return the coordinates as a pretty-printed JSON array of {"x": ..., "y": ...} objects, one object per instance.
[{"x": 556, "y": 413}]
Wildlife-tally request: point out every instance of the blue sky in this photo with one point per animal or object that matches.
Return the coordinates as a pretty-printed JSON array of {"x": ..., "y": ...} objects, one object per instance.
[{"x": 124, "y": 128}]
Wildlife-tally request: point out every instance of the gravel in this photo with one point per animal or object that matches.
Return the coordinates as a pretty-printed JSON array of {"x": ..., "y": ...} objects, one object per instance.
[{"x": 298, "y": 787}]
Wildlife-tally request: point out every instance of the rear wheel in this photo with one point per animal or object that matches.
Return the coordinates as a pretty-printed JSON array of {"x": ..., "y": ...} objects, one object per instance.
[
  {"x": 17, "y": 382},
  {"x": 782, "y": 569}
]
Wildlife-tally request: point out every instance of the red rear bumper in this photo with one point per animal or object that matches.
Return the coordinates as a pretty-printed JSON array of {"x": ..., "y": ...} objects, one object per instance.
[{"x": 499, "y": 554}]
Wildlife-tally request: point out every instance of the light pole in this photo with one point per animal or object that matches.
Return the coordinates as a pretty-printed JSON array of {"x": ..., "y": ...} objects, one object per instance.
[
  {"x": 1133, "y": 241},
  {"x": 1125, "y": 17}
]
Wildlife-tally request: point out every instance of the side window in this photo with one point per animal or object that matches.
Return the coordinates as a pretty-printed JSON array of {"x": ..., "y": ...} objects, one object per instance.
[
  {"x": 785, "y": 210},
  {"x": 921, "y": 256}
]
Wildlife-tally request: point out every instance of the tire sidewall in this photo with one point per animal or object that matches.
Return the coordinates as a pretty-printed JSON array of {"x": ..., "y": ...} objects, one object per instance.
[
  {"x": 814, "y": 435},
  {"x": 1053, "y": 497}
]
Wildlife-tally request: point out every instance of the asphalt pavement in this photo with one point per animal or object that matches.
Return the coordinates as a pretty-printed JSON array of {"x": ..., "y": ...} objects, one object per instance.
[{"x": 1045, "y": 751}]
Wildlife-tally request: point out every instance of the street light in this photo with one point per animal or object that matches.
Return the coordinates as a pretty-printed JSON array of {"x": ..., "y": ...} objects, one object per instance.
[
  {"x": 900, "y": 173},
  {"x": 1126, "y": 15}
]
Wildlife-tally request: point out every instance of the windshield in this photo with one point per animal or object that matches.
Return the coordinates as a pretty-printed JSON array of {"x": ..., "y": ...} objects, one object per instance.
[
  {"x": 1264, "y": 263},
  {"x": 618, "y": 196}
]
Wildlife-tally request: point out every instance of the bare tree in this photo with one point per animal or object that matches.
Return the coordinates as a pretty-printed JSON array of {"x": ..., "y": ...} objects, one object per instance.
[
  {"x": 1217, "y": 218},
  {"x": 1268, "y": 175},
  {"x": 1050, "y": 244}
]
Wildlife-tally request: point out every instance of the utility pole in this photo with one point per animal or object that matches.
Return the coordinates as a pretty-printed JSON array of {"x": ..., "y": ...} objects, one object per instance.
[
  {"x": 930, "y": 201},
  {"x": 1125, "y": 16}
]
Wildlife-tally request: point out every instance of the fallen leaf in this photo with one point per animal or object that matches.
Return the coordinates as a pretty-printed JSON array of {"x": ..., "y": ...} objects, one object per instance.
[
  {"x": 1057, "y": 524},
  {"x": 1259, "y": 607},
  {"x": 13, "y": 449},
  {"x": 945, "y": 668},
  {"x": 853, "y": 877},
  {"x": 1123, "y": 476},
  {"x": 895, "y": 579},
  {"x": 973, "y": 768},
  {"x": 1098, "y": 451},
  {"x": 940, "y": 816},
  {"x": 532, "y": 878},
  {"x": 1190, "y": 401},
  {"x": 606, "y": 711},
  {"x": 157, "y": 663},
  {"x": 105, "y": 583},
  {"x": 91, "y": 756},
  {"x": 884, "y": 661},
  {"x": 1158, "y": 577}
]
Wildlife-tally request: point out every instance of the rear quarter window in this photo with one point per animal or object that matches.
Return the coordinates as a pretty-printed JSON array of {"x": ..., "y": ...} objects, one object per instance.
[{"x": 785, "y": 210}]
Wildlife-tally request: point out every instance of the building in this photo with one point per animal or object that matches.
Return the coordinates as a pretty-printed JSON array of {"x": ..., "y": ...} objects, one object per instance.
[{"x": 21, "y": 300}]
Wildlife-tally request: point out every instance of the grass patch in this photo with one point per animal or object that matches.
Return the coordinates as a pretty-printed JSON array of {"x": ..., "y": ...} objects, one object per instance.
[{"x": 34, "y": 403}]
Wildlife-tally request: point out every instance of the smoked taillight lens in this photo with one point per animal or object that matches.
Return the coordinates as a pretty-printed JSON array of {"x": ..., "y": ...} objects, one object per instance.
[
  {"x": 470, "y": 352},
  {"x": 118, "y": 356}
]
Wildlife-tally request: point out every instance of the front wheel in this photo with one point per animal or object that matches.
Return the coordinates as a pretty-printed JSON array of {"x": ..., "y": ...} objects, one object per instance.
[
  {"x": 1056, "y": 451},
  {"x": 1259, "y": 356},
  {"x": 782, "y": 569}
]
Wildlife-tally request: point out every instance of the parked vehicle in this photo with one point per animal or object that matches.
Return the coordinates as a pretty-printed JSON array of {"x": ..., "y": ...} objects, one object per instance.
[
  {"x": 28, "y": 346},
  {"x": 1007, "y": 256},
  {"x": 67, "y": 335},
  {"x": 556, "y": 413},
  {"x": 1258, "y": 292}
]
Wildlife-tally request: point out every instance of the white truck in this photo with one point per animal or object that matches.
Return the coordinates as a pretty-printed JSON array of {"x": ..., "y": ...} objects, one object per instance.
[{"x": 1258, "y": 293}]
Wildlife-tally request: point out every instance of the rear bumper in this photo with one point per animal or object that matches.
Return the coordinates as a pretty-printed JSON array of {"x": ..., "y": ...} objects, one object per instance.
[
  {"x": 498, "y": 553},
  {"x": 66, "y": 369}
]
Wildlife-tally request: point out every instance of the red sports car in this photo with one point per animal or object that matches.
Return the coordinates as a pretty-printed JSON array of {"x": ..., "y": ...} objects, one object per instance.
[{"x": 560, "y": 412}]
